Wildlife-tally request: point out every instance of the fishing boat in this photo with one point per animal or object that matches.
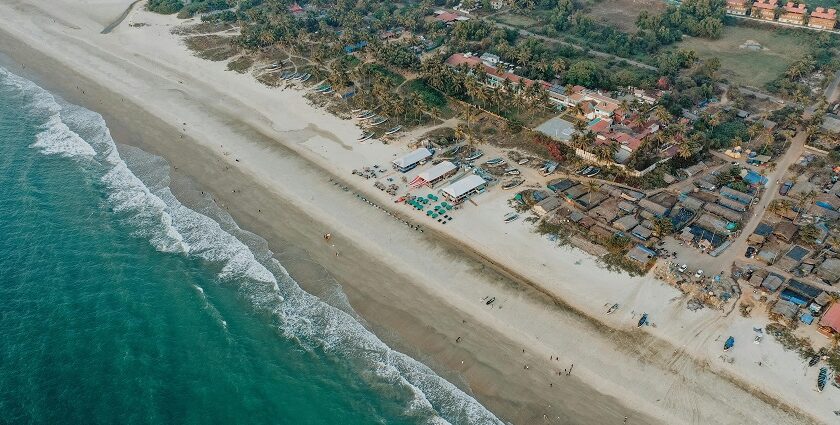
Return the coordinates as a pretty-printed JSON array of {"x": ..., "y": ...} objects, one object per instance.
[
  {"x": 367, "y": 116},
  {"x": 393, "y": 130},
  {"x": 814, "y": 360},
  {"x": 729, "y": 343},
  {"x": 305, "y": 77},
  {"x": 612, "y": 309},
  {"x": 491, "y": 300},
  {"x": 523, "y": 161},
  {"x": 511, "y": 216},
  {"x": 822, "y": 378},
  {"x": 379, "y": 120},
  {"x": 495, "y": 161},
  {"x": 644, "y": 320},
  {"x": 511, "y": 184},
  {"x": 473, "y": 156},
  {"x": 330, "y": 91},
  {"x": 364, "y": 114},
  {"x": 365, "y": 136}
]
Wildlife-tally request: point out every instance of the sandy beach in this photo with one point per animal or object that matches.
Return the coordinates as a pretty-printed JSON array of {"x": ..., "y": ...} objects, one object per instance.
[{"x": 273, "y": 161}]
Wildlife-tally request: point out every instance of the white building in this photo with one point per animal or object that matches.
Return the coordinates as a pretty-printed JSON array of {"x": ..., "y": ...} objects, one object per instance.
[
  {"x": 411, "y": 160},
  {"x": 459, "y": 191}
]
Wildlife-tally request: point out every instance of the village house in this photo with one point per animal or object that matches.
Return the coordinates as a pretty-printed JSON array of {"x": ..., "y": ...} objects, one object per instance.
[
  {"x": 737, "y": 7},
  {"x": 764, "y": 9},
  {"x": 785, "y": 231},
  {"x": 830, "y": 320},
  {"x": 785, "y": 309},
  {"x": 449, "y": 18},
  {"x": 641, "y": 255},
  {"x": 829, "y": 270},
  {"x": 547, "y": 206},
  {"x": 494, "y": 77},
  {"x": 823, "y": 18},
  {"x": 793, "y": 13}
]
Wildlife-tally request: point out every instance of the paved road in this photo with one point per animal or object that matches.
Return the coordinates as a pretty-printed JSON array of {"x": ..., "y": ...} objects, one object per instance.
[{"x": 527, "y": 33}]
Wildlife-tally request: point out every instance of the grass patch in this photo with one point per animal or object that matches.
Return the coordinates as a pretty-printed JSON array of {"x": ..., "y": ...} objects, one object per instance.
[
  {"x": 212, "y": 47},
  {"x": 519, "y": 21},
  {"x": 241, "y": 64},
  {"x": 622, "y": 14},
  {"x": 431, "y": 97},
  {"x": 779, "y": 49},
  {"x": 375, "y": 68}
]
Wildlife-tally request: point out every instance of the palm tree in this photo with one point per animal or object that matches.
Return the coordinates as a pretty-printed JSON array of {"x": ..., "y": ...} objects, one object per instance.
[
  {"x": 803, "y": 200},
  {"x": 558, "y": 66},
  {"x": 663, "y": 226},
  {"x": 606, "y": 152}
]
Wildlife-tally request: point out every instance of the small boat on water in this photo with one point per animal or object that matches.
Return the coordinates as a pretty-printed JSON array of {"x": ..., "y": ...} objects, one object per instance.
[
  {"x": 365, "y": 136},
  {"x": 393, "y": 130},
  {"x": 644, "y": 320},
  {"x": 730, "y": 342},
  {"x": 511, "y": 184},
  {"x": 822, "y": 378},
  {"x": 511, "y": 216},
  {"x": 612, "y": 309}
]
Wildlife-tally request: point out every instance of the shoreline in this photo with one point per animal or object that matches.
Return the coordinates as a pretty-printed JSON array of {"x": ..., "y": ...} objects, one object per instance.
[
  {"x": 361, "y": 294},
  {"x": 383, "y": 318}
]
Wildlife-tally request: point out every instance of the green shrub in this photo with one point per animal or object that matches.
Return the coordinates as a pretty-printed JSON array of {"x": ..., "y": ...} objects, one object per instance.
[{"x": 166, "y": 7}]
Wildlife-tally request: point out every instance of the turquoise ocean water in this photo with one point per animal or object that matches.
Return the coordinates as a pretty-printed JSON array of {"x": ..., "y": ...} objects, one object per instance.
[{"x": 118, "y": 304}]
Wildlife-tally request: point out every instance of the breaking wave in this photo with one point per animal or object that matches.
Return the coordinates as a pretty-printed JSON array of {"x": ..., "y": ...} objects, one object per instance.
[{"x": 139, "y": 191}]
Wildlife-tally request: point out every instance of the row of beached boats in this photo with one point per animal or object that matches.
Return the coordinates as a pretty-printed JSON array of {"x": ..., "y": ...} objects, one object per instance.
[
  {"x": 365, "y": 115},
  {"x": 295, "y": 76}
]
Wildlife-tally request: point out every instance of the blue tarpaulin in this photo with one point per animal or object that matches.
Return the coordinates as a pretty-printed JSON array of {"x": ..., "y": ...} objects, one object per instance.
[
  {"x": 754, "y": 178},
  {"x": 807, "y": 319}
]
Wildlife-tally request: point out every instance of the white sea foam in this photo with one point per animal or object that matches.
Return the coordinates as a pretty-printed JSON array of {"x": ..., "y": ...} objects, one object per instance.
[{"x": 151, "y": 207}]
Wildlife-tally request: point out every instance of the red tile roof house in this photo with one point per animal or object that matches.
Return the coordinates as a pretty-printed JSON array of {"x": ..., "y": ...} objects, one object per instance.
[
  {"x": 764, "y": 9},
  {"x": 793, "y": 13},
  {"x": 737, "y": 7},
  {"x": 449, "y": 17},
  {"x": 296, "y": 9},
  {"x": 494, "y": 79},
  {"x": 822, "y": 18},
  {"x": 830, "y": 320}
]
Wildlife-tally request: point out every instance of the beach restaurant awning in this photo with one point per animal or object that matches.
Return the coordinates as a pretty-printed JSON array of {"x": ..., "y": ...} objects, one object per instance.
[
  {"x": 464, "y": 186},
  {"x": 413, "y": 157},
  {"x": 433, "y": 173}
]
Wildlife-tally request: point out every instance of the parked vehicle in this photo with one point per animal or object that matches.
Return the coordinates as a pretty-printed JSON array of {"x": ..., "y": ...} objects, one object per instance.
[
  {"x": 683, "y": 268},
  {"x": 699, "y": 274},
  {"x": 750, "y": 252},
  {"x": 785, "y": 188}
]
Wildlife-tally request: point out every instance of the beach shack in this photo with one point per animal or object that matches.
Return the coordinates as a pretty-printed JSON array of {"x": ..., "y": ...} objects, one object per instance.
[
  {"x": 641, "y": 255},
  {"x": 435, "y": 175},
  {"x": 409, "y": 161},
  {"x": 547, "y": 205},
  {"x": 459, "y": 191},
  {"x": 799, "y": 293}
]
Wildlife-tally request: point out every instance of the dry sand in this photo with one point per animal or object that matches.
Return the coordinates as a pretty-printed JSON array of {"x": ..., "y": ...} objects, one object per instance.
[{"x": 418, "y": 292}]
